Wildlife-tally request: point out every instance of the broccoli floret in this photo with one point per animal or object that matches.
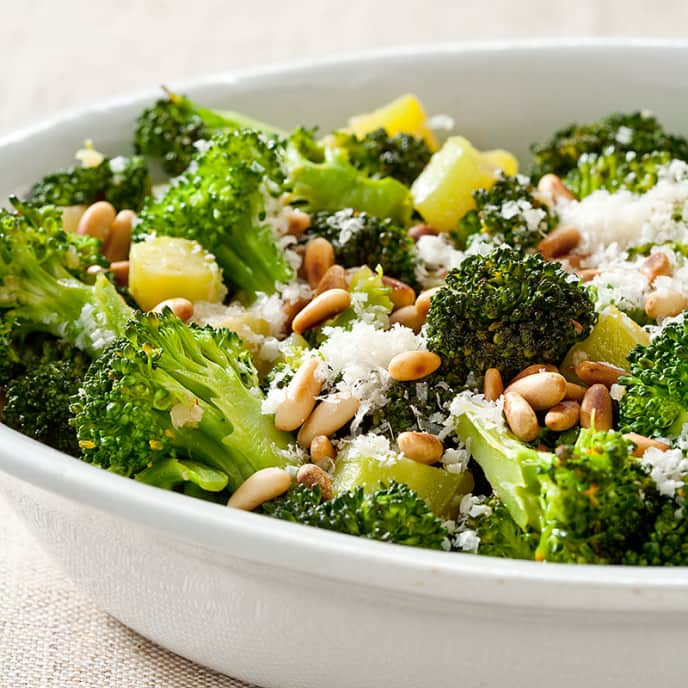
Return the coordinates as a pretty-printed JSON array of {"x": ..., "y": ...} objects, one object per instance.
[
  {"x": 507, "y": 310},
  {"x": 614, "y": 170},
  {"x": 124, "y": 182},
  {"x": 506, "y": 213},
  {"x": 221, "y": 203},
  {"x": 392, "y": 513},
  {"x": 638, "y": 131},
  {"x": 656, "y": 400},
  {"x": 37, "y": 400},
  {"x": 168, "y": 129},
  {"x": 165, "y": 392},
  {"x": 362, "y": 239},
  {"x": 378, "y": 154}
]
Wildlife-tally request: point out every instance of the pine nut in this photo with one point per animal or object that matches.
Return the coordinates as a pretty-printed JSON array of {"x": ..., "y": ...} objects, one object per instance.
[
  {"x": 562, "y": 416},
  {"x": 574, "y": 392},
  {"x": 118, "y": 240},
  {"x": 418, "y": 231},
  {"x": 321, "y": 448},
  {"x": 97, "y": 220},
  {"x": 534, "y": 368},
  {"x": 71, "y": 215},
  {"x": 297, "y": 222},
  {"x": 318, "y": 258},
  {"x": 594, "y": 372},
  {"x": 541, "y": 391},
  {"x": 182, "y": 308},
  {"x": 421, "y": 447},
  {"x": 311, "y": 475},
  {"x": 520, "y": 416},
  {"x": 331, "y": 414},
  {"x": 334, "y": 278},
  {"x": 559, "y": 242},
  {"x": 596, "y": 408},
  {"x": 261, "y": 487},
  {"x": 291, "y": 309},
  {"x": 654, "y": 265},
  {"x": 408, "y": 316},
  {"x": 665, "y": 303},
  {"x": 299, "y": 402},
  {"x": 322, "y": 307},
  {"x": 400, "y": 293},
  {"x": 413, "y": 365},
  {"x": 423, "y": 301},
  {"x": 573, "y": 260},
  {"x": 120, "y": 271},
  {"x": 642, "y": 443},
  {"x": 588, "y": 274},
  {"x": 553, "y": 189},
  {"x": 493, "y": 386}
]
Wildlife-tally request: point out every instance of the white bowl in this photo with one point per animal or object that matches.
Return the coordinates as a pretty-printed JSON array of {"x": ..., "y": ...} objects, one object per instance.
[{"x": 287, "y": 606}]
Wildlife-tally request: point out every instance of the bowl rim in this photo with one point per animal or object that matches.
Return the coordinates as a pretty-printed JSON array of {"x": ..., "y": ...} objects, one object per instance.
[{"x": 281, "y": 545}]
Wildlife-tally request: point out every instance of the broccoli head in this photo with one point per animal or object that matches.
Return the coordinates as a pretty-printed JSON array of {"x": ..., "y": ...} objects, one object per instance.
[
  {"x": 507, "y": 310},
  {"x": 638, "y": 131},
  {"x": 391, "y": 513},
  {"x": 166, "y": 394}
]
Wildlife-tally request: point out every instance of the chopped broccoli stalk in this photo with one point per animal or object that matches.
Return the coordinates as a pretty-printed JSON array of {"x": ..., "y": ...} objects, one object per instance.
[
  {"x": 169, "y": 128},
  {"x": 656, "y": 400},
  {"x": 166, "y": 391},
  {"x": 638, "y": 131},
  {"x": 221, "y": 203},
  {"x": 362, "y": 239},
  {"x": 124, "y": 182},
  {"x": 507, "y": 310},
  {"x": 390, "y": 513}
]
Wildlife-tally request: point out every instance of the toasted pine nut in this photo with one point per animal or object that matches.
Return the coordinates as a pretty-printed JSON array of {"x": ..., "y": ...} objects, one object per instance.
[
  {"x": 97, "y": 220},
  {"x": 332, "y": 413},
  {"x": 259, "y": 488},
  {"x": 71, "y": 215},
  {"x": 420, "y": 446},
  {"x": 418, "y": 231},
  {"x": 292, "y": 308},
  {"x": 120, "y": 271},
  {"x": 588, "y": 274},
  {"x": 654, "y": 265},
  {"x": 334, "y": 278},
  {"x": 413, "y": 365},
  {"x": 642, "y": 443},
  {"x": 562, "y": 416},
  {"x": 182, "y": 308},
  {"x": 520, "y": 416},
  {"x": 573, "y": 260},
  {"x": 118, "y": 240},
  {"x": 558, "y": 242},
  {"x": 302, "y": 391},
  {"x": 534, "y": 368},
  {"x": 400, "y": 293},
  {"x": 665, "y": 303},
  {"x": 311, "y": 475},
  {"x": 541, "y": 391},
  {"x": 553, "y": 189},
  {"x": 574, "y": 392},
  {"x": 318, "y": 258},
  {"x": 298, "y": 222},
  {"x": 321, "y": 448},
  {"x": 322, "y": 307},
  {"x": 493, "y": 386},
  {"x": 596, "y": 408},
  {"x": 593, "y": 372},
  {"x": 408, "y": 316},
  {"x": 423, "y": 300}
]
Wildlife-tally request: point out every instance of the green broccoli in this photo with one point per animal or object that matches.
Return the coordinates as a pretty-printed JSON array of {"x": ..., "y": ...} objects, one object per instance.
[
  {"x": 507, "y": 310},
  {"x": 221, "y": 203},
  {"x": 169, "y": 403},
  {"x": 638, "y": 131},
  {"x": 124, "y": 182},
  {"x": 391, "y": 513},
  {"x": 169, "y": 128},
  {"x": 362, "y": 239},
  {"x": 507, "y": 213}
]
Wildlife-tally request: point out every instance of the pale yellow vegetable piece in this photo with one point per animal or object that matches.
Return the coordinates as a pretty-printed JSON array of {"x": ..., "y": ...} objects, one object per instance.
[
  {"x": 502, "y": 160},
  {"x": 168, "y": 267},
  {"x": 405, "y": 115}
]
